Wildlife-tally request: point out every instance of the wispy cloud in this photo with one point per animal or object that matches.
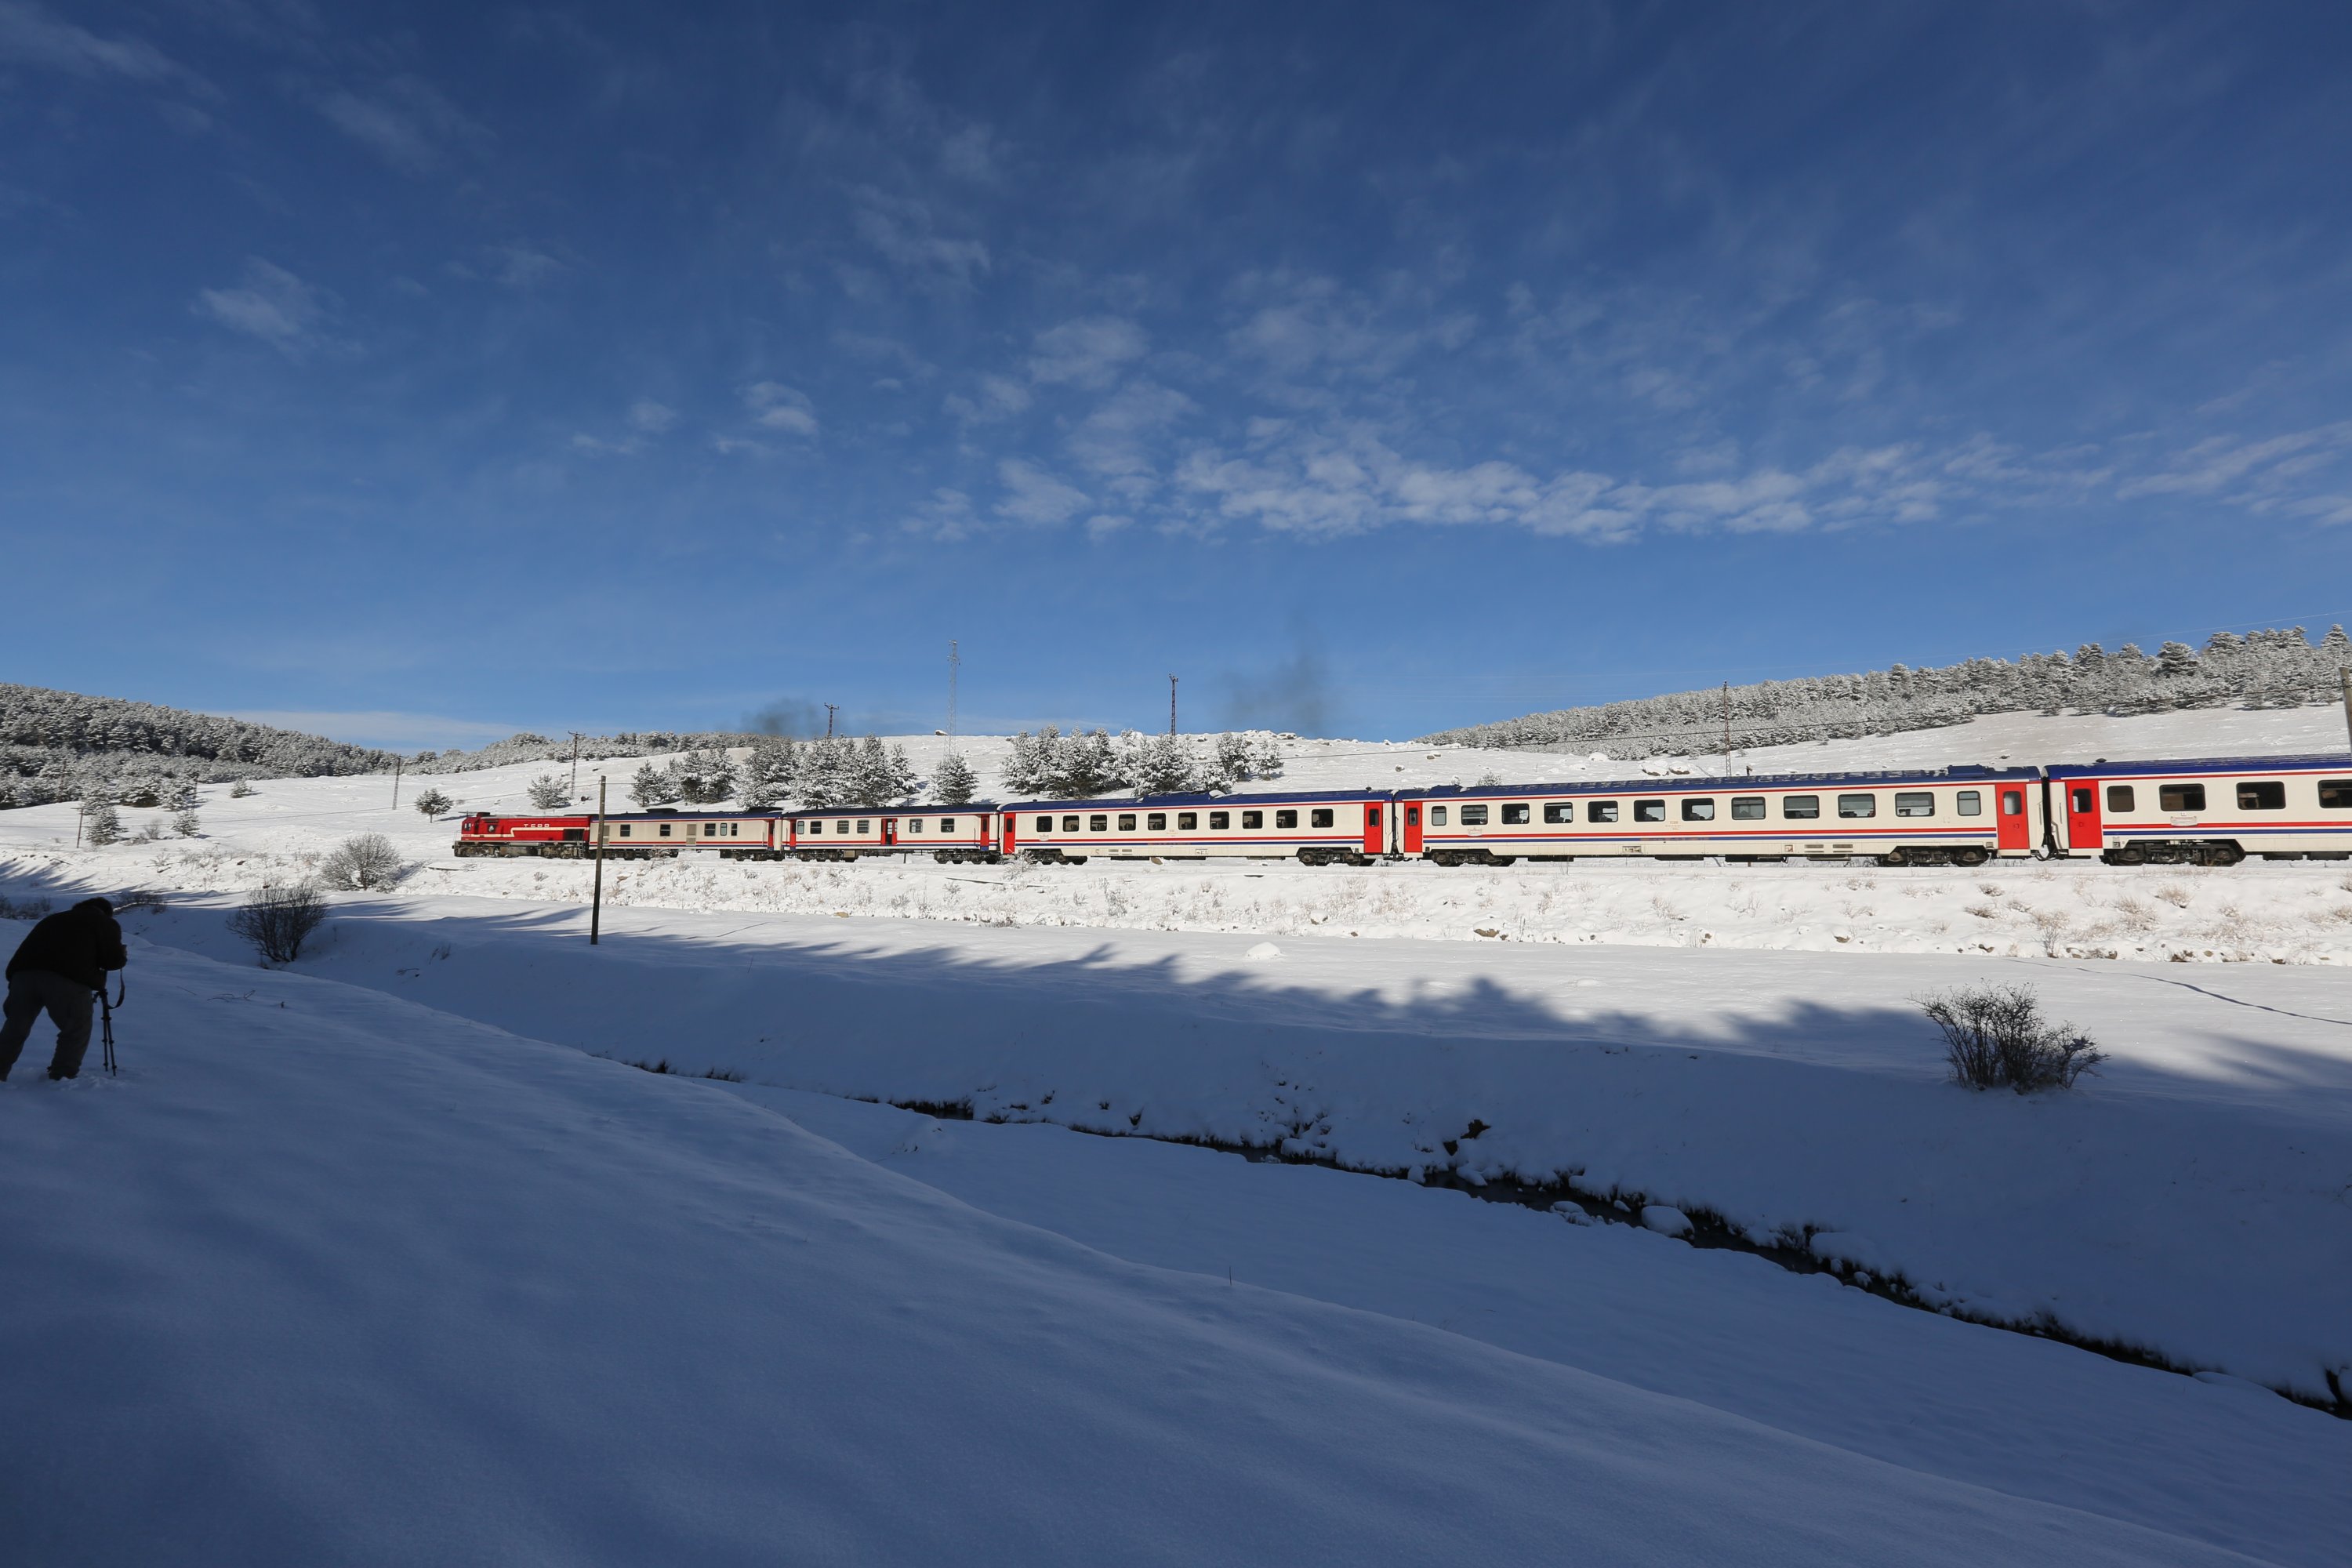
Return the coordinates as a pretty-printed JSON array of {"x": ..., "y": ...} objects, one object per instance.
[
  {"x": 269, "y": 303},
  {"x": 651, "y": 418},
  {"x": 775, "y": 407},
  {"x": 1034, "y": 497},
  {"x": 30, "y": 36},
  {"x": 1087, "y": 353},
  {"x": 406, "y": 121},
  {"x": 905, "y": 232},
  {"x": 996, "y": 397}
]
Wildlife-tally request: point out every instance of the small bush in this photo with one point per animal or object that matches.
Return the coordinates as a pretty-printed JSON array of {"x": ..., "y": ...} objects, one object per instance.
[
  {"x": 23, "y": 909},
  {"x": 185, "y": 824},
  {"x": 364, "y": 861},
  {"x": 278, "y": 921},
  {"x": 239, "y": 790},
  {"x": 1995, "y": 1038},
  {"x": 432, "y": 803}
]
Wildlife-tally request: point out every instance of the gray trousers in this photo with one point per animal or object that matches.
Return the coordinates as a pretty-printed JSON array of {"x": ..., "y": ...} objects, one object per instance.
[{"x": 69, "y": 1004}]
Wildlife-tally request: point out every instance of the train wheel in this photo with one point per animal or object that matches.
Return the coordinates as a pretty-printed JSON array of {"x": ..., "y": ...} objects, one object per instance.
[{"x": 1967, "y": 857}]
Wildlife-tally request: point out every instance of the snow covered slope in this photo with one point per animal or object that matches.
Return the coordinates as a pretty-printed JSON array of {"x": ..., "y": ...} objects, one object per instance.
[
  {"x": 332, "y": 1277},
  {"x": 2189, "y": 1199}
]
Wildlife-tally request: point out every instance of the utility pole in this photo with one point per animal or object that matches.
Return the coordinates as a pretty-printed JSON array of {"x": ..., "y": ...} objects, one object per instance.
[
  {"x": 1172, "y": 704},
  {"x": 830, "y": 710},
  {"x": 2347, "y": 676},
  {"x": 954, "y": 663},
  {"x": 575, "y": 764},
  {"x": 395, "y": 783},
  {"x": 596, "y": 897},
  {"x": 1727, "y": 726}
]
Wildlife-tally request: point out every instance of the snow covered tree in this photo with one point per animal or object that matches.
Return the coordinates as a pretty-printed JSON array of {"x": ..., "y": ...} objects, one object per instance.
[
  {"x": 548, "y": 793},
  {"x": 1088, "y": 765},
  {"x": 1266, "y": 757},
  {"x": 240, "y": 790},
  {"x": 2176, "y": 662},
  {"x": 1035, "y": 763},
  {"x": 100, "y": 824},
  {"x": 768, "y": 773},
  {"x": 875, "y": 776},
  {"x": 954, "y": 781},
  {"x": 182, "y": 796},
  {"x": 185, "y": 824},
  {"x": 1158, "y": 764},
  {"x": 650, "y": 786},
  {"x": 822, "y": 778},
  {"x": 361, "y": 862},
  {"x": 1233, "y": 759},
  {"x": 432, "y": 803},
  {"x": 704, "y": 777}
]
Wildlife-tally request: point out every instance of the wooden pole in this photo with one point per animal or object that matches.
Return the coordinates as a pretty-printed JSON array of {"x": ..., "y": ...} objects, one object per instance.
[
  {"x": 596, "y": 899},
  {"x": 395, "y": 783},
  {"x": 2346, "y": 676}
]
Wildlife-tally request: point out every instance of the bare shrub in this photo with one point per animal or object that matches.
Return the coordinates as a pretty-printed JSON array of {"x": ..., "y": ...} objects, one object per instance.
[
  {"x": 1995, "y": 1038},
  {"x": 2133, "y": 914},
  {"x": 278, "y": 921},
  {"x": 363, "y": 861},
  {"x": 2178, "y": 894},
  {"x": 2052, "y": 926}
]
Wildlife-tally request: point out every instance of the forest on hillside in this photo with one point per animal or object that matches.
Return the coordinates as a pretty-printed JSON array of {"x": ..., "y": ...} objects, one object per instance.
[
  {"x": 2270, "y": 669},
  {"x": 61, "y": 745}
]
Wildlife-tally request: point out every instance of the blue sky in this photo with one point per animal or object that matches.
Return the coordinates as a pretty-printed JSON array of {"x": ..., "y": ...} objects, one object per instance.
[{"x": 430, "y": 370}]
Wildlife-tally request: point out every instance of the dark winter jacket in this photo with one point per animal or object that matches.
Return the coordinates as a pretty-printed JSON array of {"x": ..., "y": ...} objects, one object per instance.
[{"x": 82, "y": 944}]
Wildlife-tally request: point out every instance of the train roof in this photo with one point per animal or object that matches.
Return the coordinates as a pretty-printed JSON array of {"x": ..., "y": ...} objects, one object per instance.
[
  {"x": 2101, "y": 768},
  {"x": 1882, "y": 778},
  {"x": 919, "y": 808},
  {"x": 1202, "y": 797}
]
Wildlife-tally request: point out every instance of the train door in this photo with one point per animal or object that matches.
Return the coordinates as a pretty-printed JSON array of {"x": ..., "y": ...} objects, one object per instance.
[
  {"x": 1009, "y": 833},
  {"x": 1412, "y": 810},
  {"x": 1374, "y": 841},
  {"x": 2016, "y": 824},
  {"x": 2083, "y": 832},
  {"x": 889, "y": 831}
]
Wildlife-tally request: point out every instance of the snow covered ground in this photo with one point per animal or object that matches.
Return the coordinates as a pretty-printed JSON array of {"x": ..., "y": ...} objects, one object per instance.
[{"x": 328, "y": 1275}]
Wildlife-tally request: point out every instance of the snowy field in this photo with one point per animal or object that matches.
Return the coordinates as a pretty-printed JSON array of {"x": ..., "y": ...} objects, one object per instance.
[
  {"x": 374, "y": 1259},
  {"x": 333, "y": 1275}
]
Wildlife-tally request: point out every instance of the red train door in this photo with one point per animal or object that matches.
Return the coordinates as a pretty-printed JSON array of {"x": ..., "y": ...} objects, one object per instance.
[
  {"x": 1008, "y": 833},
  {"x": 1373, "y": 842},
  {"x": 2082, "y": 835},
  {"x": 2016, "y": 822},
  {"x": 1412, "y": 810},
  {"x": 889, "y": 830}
]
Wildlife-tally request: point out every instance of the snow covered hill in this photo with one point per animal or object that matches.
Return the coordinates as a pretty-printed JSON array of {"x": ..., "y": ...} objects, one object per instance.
[{"x": 329, "y": 1276}]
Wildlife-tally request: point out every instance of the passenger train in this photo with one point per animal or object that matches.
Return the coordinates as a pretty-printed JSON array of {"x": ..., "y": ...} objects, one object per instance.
[{"x": 2208, "y": 812}]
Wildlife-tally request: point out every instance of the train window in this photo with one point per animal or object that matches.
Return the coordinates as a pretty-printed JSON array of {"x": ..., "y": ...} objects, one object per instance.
[
  {"x": 624, "y": 830},
  {"x": 1069, "y": 825},
  {"x": 1319, "y": 817},
  {"x": 1802, "y": 806},
  {"x": 1286, "y": 819},
  {"x": 2336, "y": 794},
  {"x": 1126, "y": 821},
  {"x": 1473, "y": 817},
  {"x": 711, "y": 830},
  {"x": 2080, "y": 799},
  {"x": 665, "y": 830},
  {"x": 1969, "y": 802},
  {"x": 1857, "y": 805},
  {"x": 1559, "y": 811},
  {"x": 1157, "y": 822},
  {"x": 2012, "y": 803},
  {"x": 1514, "y": 813},
  {"x": 947, "y": 825},
  {"x": 1253, "y": 819},
  {"x": 2180, "y": 797},
  {"x": 1044, "y": 825},
  {"x": 2262, "y": 795},
  {"x": 1413, "y": 816},
  {"x": 1599, "y": 811},
  {"x": 1649, "y": 811},
  {"x": 2120, "y": 797},
  {"x": 1437, "y": 816},
  {"x": 864, "y": 824},
  {"x": 1220, "y": 820},
  {"x": 1700, "y": 810},
  {"x": 1100, "y": 823},
  {"x": 1747, "y": 808},
  {"x": 1187, "y": 821},
  {"x": 1915, "y": 802},
  {"x": 914, "y": 825}
]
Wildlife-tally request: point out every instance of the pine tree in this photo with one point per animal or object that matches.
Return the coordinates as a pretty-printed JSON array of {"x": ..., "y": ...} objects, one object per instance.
[
  {"x": 1160, "y": 765},
  {"x": 650, "y": 786},
  {"x": 240, "y": 790},
  {"x": 185, "y": 824},
  {"x": 432, "y": 803},
  {"x": 100, "y": 826},
  {"x": 769, "y": 772},
  {"x": 1232, "y": 764},
  {"x": 954, "y": 781},
  {"x": 182, "y": 796},
  {"x": 1087, "y": 766},
  {"x": 548, "y": 793},
  {"x": 1035, "y": 761},
  {"x": 1265, "y": 758},
  {"x": 875, "y": 776},
  {"x": 821, "y": 778}
]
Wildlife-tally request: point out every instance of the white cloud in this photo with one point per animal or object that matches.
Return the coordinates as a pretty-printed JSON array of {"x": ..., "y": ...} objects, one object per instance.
[
  {"x": 1033, "y": 496},
  {"x": 405, "y": 121},
  {"x": 32, "y": 36},
  {"x": 651, "y": 418},
  {"x": 1114, "y": 439},
  {"x": 271, "y": 304},
  {"x": 998, "y": 397},
  {"x": 522, "y": 267},
  {"x": 775, "y": 407},
  {"x": 906, "y": 233},
  {"x": 1087, "y": 352}
]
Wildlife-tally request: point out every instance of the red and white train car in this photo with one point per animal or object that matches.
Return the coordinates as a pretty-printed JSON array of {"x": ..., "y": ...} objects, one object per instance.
[
  {"x": 629, "y": 836},
  {"x": 2213, "y": 811},
  {"x": 947, "y": 833},
  {"x": 1961, "y": 816},
  {"x": 1319, "y": 828}
]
